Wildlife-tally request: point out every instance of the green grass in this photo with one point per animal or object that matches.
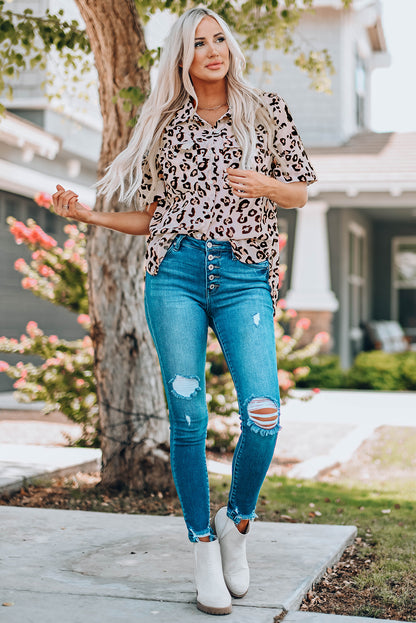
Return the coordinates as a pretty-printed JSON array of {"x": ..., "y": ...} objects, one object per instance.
[{"x": 386, "y": 521}]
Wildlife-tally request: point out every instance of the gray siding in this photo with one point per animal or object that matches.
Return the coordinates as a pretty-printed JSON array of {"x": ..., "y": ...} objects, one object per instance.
[
  {"x": 322, "y": 119},
  {"x": 317, "y": 115}
]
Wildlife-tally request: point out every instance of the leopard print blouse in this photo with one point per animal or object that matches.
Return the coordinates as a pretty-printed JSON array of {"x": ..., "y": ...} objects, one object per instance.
[{"x": 193, "y": 195}]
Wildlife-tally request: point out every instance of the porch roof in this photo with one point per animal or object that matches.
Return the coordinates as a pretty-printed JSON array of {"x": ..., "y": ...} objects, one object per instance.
[{"x": 368, "y": 162}]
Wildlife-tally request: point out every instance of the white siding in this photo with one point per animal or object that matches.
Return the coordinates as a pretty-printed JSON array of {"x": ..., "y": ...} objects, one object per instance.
[{"x": 322, "y": 119}]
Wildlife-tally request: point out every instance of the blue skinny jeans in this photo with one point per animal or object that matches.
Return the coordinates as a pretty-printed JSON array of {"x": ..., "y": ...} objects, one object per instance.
[{"x": 200, "y": 284}]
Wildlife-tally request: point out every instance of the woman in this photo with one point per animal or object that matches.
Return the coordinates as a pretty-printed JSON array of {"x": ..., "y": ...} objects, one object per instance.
[{"x": 208, "y": 163}]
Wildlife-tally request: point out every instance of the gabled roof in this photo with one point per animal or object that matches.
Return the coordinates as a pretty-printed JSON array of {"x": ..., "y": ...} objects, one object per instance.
[{"x": 369, "y": 161}]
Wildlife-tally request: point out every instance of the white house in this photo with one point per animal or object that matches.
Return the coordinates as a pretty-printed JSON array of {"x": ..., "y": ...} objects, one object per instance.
[{"x": 352, "y": 249}]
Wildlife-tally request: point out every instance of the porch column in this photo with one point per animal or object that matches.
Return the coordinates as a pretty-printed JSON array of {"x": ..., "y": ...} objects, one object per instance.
[{"x": 310, "y": 292}]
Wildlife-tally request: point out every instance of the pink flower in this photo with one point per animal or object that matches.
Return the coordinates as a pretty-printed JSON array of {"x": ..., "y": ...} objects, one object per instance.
[
  {"x": 46, "y": 271},
  {"x": 84, "y": 319},
  {"x": 53, "y": 339},
  {"x": 4, "y": 366},
  {"x": 36, "y": 255},
  {"x": 38, "y": 236},
  {"x": 286, "y": 338},
  {"x": 281, "y": 303},
  {"x": 43, "y": 199},
  {"x": 69, "y": 243},
  {"x": 19, "y": 231},
  {"x": 291, "y": 313},
  {"x": 301, "y": 371},
  {"x": 70, "y": 229},
  {"x": 28, "y": 283},
  {"x": 285, "y": 382},
  {"x": 13, "y": 340},
  {"x": 316, "y": 390},
  {"x": 303, "y": 323},
  {"x": 86, "y": 342},
  {"x": 20, "y": 264},
  {"x": 23, "y": 337},
  {"x": 52, "y": 361},
  {"x": 322, "y": 336},
  {"x": 19, "y": 383},
  {"x": 32, "y": 328},
  {"x": 80, "y": 383}
]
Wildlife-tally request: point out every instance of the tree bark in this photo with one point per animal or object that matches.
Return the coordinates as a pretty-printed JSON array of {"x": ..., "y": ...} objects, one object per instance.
[{"x": 133, "y": 418}]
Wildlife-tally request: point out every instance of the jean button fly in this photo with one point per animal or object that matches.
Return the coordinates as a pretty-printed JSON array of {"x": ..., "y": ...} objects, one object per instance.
[
  {"x": 211, "y": 266},
  {"x": 211, "y": 277},
  {"x": 211, "y": 287},
  {"x": 210, "y": 257},
  {"x": 209, "y": 245}
]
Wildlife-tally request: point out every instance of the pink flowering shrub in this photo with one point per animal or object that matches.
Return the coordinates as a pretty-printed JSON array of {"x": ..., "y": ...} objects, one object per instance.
[
  {"x": 54, "y": 274},
  {"x": 65, "y": 380}
]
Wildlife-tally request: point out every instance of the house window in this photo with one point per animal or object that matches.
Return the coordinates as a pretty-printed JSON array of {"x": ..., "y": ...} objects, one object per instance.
[
  {"x": 404, "y": 283},
  {"x": 360, "y": 91},
  {"x": 357, "y": 286}
]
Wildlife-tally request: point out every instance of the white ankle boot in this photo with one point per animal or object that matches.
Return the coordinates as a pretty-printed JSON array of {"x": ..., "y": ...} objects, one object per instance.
[
  {"x": 212, "y": 594},
  {"x": 233, "y": 554}
]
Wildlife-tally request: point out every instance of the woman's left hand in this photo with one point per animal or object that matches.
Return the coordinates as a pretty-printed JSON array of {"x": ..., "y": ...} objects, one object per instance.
[{"x": 251, "y": 184}]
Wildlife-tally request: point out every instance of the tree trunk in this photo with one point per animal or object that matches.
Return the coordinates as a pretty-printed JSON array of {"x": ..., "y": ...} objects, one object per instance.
[{"x": 133, "y": 419}]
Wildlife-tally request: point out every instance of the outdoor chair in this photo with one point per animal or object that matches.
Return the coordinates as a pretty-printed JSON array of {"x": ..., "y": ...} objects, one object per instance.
[{"x": 386, "y": 335}]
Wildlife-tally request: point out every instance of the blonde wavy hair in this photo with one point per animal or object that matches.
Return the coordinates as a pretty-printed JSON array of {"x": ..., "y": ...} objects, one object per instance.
[{"x": 172, "y": 89}]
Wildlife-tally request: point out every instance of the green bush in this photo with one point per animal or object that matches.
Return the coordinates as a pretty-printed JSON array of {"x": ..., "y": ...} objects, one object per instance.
[
  {"x": 385, "y": 371},
  {"x": 325, "y": 373},
  {"x": 408, "y": 370}
]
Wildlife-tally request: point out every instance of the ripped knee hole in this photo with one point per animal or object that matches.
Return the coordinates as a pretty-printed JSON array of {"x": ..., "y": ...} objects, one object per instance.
[
  {"x": 263, "y": 412},
  {"x": 185, "y": 386}
]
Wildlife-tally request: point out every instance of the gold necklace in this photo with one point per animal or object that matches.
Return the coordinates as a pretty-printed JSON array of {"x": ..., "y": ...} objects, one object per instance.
[{"x": 212, "y": 107}]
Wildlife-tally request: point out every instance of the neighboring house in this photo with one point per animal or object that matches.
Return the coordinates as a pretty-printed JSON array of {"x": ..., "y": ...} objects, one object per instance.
[{"x": 352, "y": 249}]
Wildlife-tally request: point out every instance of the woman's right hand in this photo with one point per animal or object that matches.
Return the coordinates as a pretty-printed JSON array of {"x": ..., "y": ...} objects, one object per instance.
[{"x": 65, "y": 204}]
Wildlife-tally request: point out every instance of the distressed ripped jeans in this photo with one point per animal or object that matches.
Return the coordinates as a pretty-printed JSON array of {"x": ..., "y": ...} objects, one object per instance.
[{"x": 200, "y": 284}]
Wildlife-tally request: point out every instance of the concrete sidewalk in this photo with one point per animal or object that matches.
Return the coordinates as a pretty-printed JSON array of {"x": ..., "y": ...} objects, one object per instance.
[
  {"x": 74, "y": 566},
  {"x": 70, "y": 566}
]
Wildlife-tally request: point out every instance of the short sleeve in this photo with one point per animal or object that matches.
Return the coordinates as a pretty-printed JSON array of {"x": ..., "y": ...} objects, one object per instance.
[
  {"x": 293, "y": 164},
  {"x": 147, "y": 195}
]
